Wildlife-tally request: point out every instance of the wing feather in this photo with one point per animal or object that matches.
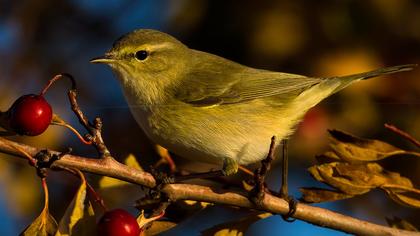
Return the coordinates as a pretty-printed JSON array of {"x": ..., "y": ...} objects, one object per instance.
[{"x": 218, "y": 81}]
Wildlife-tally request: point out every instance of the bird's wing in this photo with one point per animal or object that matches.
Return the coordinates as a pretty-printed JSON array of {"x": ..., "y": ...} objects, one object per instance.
[{"x": 221, "y": 82}]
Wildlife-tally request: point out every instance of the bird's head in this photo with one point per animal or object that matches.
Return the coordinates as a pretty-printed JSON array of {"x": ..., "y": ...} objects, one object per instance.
[{"x": 146, "y": 60}]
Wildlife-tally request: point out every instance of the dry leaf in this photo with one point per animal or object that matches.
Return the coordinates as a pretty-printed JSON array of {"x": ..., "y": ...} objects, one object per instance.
[
  {"x": 349, "y": 168},
  {"x": 327, "y": 157},
  {"x": 400, "y": 224},
  {"x": 79, "y": 218},
  {"x": 351, "y": 180},
  {"x": 353, "y": 149},
  {"x": 404, "y": 195},
  {"x": 315, "y": 195},
  {"x": 235, "y": 228}
]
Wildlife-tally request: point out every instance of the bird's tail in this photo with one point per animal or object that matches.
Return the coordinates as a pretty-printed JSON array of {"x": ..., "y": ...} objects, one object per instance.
[{"x": 329, "y": 86}]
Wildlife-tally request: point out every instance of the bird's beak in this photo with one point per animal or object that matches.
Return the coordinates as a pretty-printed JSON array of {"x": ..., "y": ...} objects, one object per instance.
[{"x": 105, "y": 59}]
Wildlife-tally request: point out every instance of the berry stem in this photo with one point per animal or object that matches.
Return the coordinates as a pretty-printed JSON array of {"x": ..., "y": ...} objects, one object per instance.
[
  {"x": 57, "y": 77},
  {"x": 79, "y": 136},
  {"x": 97, "y": 197},
  {"x": 31, "y": 160},
  {"x": 46, "y": 195}
]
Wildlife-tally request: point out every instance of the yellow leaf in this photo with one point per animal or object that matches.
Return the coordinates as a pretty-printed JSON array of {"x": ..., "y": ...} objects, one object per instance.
[
  {"x": 229, "y": 232},
  {"x": 108, "y": 182},
  {"x": 79, "y": 218},
  {"x": 235, "y": 228},
  {"x": 158, "y": 227},
  {"x": 132, "y": 162},
  {"x": 143, "y": 221},
  {"x": 202, "y": 204},
  {"x": 43, "y": 225},
  {"x": 246, "y": 186}
]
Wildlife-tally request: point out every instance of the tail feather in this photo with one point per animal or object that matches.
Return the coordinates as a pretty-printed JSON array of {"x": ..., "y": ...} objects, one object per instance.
[
  {"x": 381, "y": 71},
  {"x": 344, "y": 81},
  {"x": 329, "y": 86}
]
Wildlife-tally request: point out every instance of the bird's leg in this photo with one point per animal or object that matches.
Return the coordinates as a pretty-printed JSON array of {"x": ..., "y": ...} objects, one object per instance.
[
  {"x": 257, "y": 193},
  {"x": 230, "y": 167},
  {"x": 284, "y": 192}
]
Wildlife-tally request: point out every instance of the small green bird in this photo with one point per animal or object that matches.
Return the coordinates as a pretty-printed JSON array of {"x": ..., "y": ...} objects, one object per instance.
[{"x": 207, "y": 108}]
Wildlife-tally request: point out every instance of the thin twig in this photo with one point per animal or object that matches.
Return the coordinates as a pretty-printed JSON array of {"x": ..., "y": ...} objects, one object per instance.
[
  {"x": 273, "y": 204},
  {"x": 95, "y": 129},
  {"x": 403, "y": 134}
]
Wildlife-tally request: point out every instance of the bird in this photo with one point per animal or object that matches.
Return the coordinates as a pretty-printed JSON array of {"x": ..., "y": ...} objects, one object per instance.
[{"x": 210, "y": 109}]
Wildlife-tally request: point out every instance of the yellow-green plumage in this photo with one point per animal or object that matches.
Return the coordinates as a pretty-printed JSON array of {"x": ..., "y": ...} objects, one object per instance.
[{"x": 205, "y": 107}]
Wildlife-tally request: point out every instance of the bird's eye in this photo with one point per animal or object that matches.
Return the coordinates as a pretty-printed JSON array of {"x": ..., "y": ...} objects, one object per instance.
[{"x": 141, "y": 55}]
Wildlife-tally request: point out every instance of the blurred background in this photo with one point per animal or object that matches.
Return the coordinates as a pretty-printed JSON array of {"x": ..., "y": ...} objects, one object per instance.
[{"x": 39, "y": 39}]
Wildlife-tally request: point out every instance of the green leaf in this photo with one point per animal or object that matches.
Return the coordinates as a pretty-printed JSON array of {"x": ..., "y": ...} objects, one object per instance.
[
  {"x": 43, "y": 225},
  {"x": 79, "y": 218}
]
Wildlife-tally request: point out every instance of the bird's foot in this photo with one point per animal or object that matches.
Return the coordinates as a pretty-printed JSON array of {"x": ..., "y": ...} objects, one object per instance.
[
  {"x": 292, "y": 208},
  {"x": 161, "y": 178},
  {"x": 284, "y": 190},
  {"x": 257, "y": 193}
]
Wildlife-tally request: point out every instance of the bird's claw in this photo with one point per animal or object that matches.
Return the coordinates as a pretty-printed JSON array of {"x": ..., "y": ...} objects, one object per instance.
[
  {"x": 161, "y": 178},
  {"x": 292, "y": 209},
  {"x": 256, "y": 196}
]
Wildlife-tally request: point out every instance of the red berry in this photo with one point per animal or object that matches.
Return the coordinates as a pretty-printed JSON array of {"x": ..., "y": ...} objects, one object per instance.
[
  {"x": 30, "y": 115},
  {"x": 118, "y": 222}
]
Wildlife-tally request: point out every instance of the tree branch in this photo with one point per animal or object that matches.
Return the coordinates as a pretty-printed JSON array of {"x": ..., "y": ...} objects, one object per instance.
[{"x": 110, "y": 167}]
